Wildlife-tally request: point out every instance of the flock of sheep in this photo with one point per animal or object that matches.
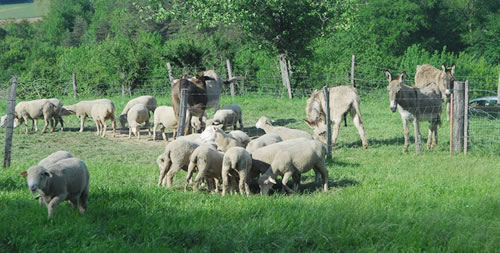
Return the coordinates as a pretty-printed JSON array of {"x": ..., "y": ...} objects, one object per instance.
[{"x": 232, "y": 159}]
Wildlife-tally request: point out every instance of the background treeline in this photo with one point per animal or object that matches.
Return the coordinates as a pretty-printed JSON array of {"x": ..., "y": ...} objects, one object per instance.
[{"x": 124, "y": 45}]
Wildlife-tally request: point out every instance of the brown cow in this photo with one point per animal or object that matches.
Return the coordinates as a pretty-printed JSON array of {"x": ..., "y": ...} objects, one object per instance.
[{"x": 196, "y": 99}]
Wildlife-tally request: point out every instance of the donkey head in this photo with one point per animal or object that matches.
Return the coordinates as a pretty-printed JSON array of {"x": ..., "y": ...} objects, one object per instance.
[
  {"x": 448, "y": 78},
  {"x": 314, "y": 111},
  {"x": 394, "y": 87}
]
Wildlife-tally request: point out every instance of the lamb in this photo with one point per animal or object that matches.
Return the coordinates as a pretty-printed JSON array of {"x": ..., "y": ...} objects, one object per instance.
[
  {"x": 239, "y": 160},
  {"x": 175, "y": 158},
  {"x": 263, "y": 141},
  {"x": 284, "y": 132},
  {"x": 208, "y": 161},
  {"x": 67, "y": 179},
  {"x": 241, "y": 136},
  {"x": 225, "y": 141},
  {"x": 83, "y": 109},
  {"x": 199, "y": 125},
  {"x": 294, "y": 160},
  {"x": 229, "y": 115},
  {"x": 164, "y": 116},
  {"x": 148, "y": 101},
  {"x": 137, "y": 115},
  {"x": 35, "y": 109},
  {"x": 101, "y": 112}
]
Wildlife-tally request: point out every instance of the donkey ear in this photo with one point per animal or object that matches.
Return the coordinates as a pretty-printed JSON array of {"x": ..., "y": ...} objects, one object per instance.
[
  {"x": 388, "y": 75},
  {"x": 453, "y": 69},
  {"x": 402, "y": 76},
  {"x": 443, "y": 67}
]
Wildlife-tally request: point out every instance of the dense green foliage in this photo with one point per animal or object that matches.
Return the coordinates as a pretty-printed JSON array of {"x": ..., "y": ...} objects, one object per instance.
[
  {"x": 120, "y": 46},
  {"x": 379, "y": 199}
]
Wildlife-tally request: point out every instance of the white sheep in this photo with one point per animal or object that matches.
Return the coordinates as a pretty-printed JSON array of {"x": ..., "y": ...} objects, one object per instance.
[
  {"x": 284, "y": 132},
  {"x": 164, "y": 117},
  {"x": 239, "y": 160},
  {"x": 54, "y": 157},
  {"x": 208, "y": 162},
  {"x": 225, "y": 141},
  {"x": 148, "y": 101},
  {"x": 262, "y": 141},
  {"x": 137, "y": 115},
  {"x": 33, "y": 110},
  {"x": 175, "y": 158},
  {"x": 58, "y": 112},
  {"x": 199, "y": 125},
  {"x": 67, "y": 179},
  {"x": 101, "y": 112},
  {"x": 83, "y": 109},
  {"x": 229, "y": 115},
  {"x": 293, "y": 160}
]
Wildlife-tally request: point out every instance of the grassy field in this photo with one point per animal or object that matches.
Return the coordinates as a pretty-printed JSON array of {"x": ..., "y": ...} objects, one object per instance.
[
  {"x": 24, "y": 10},
  {"x": 379, "y": 199}
]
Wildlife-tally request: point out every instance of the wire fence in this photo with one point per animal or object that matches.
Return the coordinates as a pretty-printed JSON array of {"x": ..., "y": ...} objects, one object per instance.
[{"x": 484, "y": 126}]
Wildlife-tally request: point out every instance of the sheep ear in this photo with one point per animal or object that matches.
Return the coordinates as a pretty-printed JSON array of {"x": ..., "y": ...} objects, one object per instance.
[
  {"x": 310, "y": 123},
  {"x": 388, "y": 75},
  {"x": 23, "y": 174},
  {"x": 47, "y": 173}
]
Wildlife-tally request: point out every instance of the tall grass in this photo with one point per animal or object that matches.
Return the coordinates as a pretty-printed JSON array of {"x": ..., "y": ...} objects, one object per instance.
[{"x": 379, "y": 199}]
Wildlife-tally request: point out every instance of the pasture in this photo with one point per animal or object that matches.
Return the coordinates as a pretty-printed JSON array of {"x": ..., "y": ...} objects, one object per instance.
[
  {"x": 379, "y": 199},
  {"x": 14, "y": 11}
]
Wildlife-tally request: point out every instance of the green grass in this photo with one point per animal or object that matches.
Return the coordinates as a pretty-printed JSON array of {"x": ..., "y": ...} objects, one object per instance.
[
  {"x": 24, "y": 10},
  {"x": 379, "y": 199}
]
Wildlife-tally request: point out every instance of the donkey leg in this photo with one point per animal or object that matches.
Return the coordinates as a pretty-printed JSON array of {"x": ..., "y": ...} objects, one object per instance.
[
  {"x": 335, "y": 130},
  {"x": 406, "y": 131},
  {"x": 358, "y": 123},
  {"x": 418, "y": 137}
]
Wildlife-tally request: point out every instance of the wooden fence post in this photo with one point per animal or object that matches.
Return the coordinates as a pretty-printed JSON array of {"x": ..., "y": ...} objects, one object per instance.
[
  {"x": 9, "y": 127},
  {"x": 353, "y": 62},
  {"x": 284, "y": 74},
  {"x": 182, "y": 113},
  {"x": 326, "y": 93},
  {"x": 74, "y": 85},
  {"x": 458, "y": 116},
  {"x": 170, "y": 75},
  {"x": 466, "y": 116},
  {"x": 451, "y": 120},
  {"x": 229, "y": 76}
]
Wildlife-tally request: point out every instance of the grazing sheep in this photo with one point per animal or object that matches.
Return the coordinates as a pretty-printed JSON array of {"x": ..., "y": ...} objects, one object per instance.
[
  {"x": 174, "y": 158},
  {"x": 67, "y": 179},
  {"x": 148, "y": 101},
  {"x": 241, "y": 136},
  {"x": 264, "y": 140},
  {"x": 225, "y": 141},
  {"x": 239, "y": 160},
  {"x": 101, "y": 112},
  {"x": 164, "y": 116},
  {"x": 417, "y": 104},
  {"x": 199, "y": 125},
  {"x": 208, "y": 162},
  {"x": 58, "y": 112},
  {"x": 137, "y": 115},
  {"x": 294, "y": 160},
  {"x": 284, "y": 132},
  {"x": 229, "y": 115},
  {"x": 343, "y": 99},
  {"x": 33, "y": 110},
  {"x": 83, "y": 109}
]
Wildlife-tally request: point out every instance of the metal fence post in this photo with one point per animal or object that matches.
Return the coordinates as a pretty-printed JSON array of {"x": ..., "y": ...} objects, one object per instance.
[
  {"x": 11, "y": 104},
  {"x": 458, "y": 116},
  {"x": 326, "y": 93},
  {"x": 182, "y": 113}
]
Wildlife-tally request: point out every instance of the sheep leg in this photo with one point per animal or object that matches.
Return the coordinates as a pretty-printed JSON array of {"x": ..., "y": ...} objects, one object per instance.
[
  {"x": 163, "y": 135},
  {"x": 296, "y": 181},
  {"x": 358, "y": 123},
  {"x": 171, "y": 174},
  {"x": 74, "y": 202},
  {"x": 241, "y": 123},
  {"x": 155, "y": 125},
  {"x": 138, "y": 131},
  {"x": 25, "y": 125},
  {"x": 225, "y": 181},
  {"x": 34, "y": 125},
  {"x": 84, "y": 197},
  {"x": 197, "y": 179},
  {"x": 287, "y": 176},
  {"x": 418, "y": 138},
  {"x": 244, "y": 181},
  {"x": 82, "y": 121},
  {"x": 59, "y": 118},
  {"x": 113, "y": 125},
  {"x": 97, "y": 125},
  {"x": 104, "y": 128},
  {"x": 320, "y": 168},
  {"x": 54, "y": 203},
  {"x": 163, "y": 174},
  {"x": 149, "y": 128},
  {"x": 47, "y": 121},
  {"x": 189, "y": 175},
  {"x": 130, "y": 132},
  {"x": 216, "y": 182}
]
